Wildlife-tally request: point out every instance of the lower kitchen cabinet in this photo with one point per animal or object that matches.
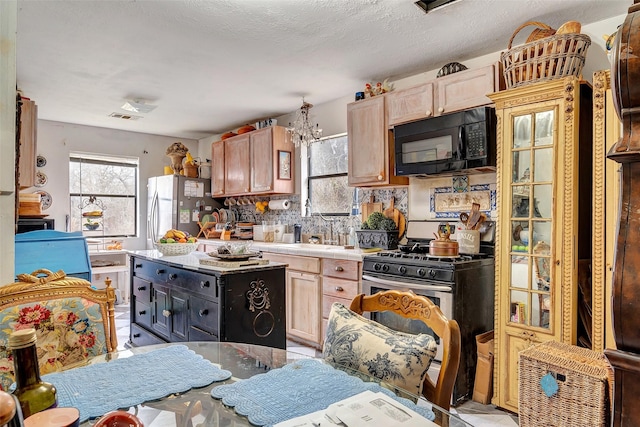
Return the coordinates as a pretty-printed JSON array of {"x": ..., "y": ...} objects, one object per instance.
[
  {"x": 304, "y": 297},
  {"x": 340, "y": 283},
  {"x": 173, "y": 303}
]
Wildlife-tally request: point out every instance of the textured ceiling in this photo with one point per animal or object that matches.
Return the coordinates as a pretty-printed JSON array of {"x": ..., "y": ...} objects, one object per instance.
[{"x": 211, "y": 66}]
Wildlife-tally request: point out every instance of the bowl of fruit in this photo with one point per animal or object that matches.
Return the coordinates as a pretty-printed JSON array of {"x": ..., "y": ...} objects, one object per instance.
[{"x": 176, "y": 242}]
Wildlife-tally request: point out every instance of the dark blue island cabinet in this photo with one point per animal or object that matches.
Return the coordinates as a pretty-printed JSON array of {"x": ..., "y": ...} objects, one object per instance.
[{"x": 174, "y": 299}]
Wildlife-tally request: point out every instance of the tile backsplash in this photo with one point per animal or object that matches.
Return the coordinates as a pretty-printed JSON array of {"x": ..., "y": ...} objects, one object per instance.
[
  {"x": 425, "y": 199},
  {"x": 315, "y": 224}
]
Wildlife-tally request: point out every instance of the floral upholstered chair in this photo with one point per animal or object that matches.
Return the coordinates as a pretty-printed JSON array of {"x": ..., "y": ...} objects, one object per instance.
[{"x": 73, "y": 321}]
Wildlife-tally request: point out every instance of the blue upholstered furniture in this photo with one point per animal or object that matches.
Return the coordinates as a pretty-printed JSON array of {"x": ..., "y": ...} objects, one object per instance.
[{"x": 53, "y": 250}]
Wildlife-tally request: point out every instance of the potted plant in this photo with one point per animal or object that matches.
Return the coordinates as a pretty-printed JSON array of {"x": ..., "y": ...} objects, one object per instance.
[{"x": 378, "y": 231}]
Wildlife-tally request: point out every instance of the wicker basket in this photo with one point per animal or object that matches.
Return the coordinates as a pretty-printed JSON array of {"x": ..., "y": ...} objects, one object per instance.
[
  {"x": 174, "y": 249},
  {"x": 584, "y": 380},
  {"x": 548, "y": 58}
]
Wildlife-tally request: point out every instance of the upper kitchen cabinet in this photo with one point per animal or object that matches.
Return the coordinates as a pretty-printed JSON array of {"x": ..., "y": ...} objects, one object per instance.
[
  {"x": 543, "y": 235},
  {"x": 371, "y": 154},
  {"x": 453, "y": 92},
  {"x": 237, "y": 166},
  {"x": 257, "y": 162},
  {"x": 217, "y": 169},
  {"x": 28, "y": 143},
  {"x": 271, "y": 161}
]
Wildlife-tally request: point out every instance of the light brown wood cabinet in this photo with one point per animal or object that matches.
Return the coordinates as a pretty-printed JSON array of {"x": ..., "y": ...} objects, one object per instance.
[
  {"x": 371, "y": 153},
  {"x": 217, "y": 169},
  {"x": 453, "y": 92},
  {"x": 28, "y": 143},
  {"x": 340, "y": 283},
  {"x": 544, "y": 166},
  {"x": 303, "y": 296},
  {"x": 257, "y": 162}
]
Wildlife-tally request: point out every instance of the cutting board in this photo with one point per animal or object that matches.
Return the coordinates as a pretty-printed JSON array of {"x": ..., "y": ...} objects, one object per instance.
[
  {"x": 397, "y": 217},
  {"x": 369, "y": 208}
]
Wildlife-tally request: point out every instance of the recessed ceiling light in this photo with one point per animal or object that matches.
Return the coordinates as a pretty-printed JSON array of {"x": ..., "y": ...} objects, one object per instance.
[
  {"x": 138, "y": 106},
  {"x": 428, "y": 5}
]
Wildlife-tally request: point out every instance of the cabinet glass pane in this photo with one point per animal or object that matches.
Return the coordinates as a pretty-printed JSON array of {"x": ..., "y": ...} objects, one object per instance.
[
  {"x": 543, "y": 165},
  {"x": 520, "y": 203},
  {"x": 518, "y": 304},
  {"x": 542, "y": 195},
  {"x": 520, "y": 272},
  {"x": 541, "y": 304},
  {"x": 522, "y": 131},
  {"x": 521, "y": 171},
  {"x": 541, "y": 232},
  {"x": 519, "y": 236},
  {"x": 544, "y": 128}
]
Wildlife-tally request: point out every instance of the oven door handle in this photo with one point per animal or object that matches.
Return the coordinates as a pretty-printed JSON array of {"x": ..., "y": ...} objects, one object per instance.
[{"x": 396, "y": 283}]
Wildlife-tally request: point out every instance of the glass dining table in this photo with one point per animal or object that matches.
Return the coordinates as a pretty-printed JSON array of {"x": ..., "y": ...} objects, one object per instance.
[{"x": 195, "y": 406}]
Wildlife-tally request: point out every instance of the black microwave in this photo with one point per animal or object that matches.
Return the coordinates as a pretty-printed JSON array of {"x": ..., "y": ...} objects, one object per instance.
[{"x": 463, "y": 141}]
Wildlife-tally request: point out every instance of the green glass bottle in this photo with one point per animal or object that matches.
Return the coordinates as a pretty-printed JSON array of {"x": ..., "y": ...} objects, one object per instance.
[{"x": 34, "y": 394}]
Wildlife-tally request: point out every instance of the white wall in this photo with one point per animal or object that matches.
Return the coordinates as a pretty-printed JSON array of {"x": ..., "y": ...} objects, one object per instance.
[{"x": 56, "y": 140}]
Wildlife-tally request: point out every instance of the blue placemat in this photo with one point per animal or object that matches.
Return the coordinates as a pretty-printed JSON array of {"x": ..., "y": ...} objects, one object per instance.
[
  {"x": 297, "y": 389},
  {"x": 122, "y": 383}
]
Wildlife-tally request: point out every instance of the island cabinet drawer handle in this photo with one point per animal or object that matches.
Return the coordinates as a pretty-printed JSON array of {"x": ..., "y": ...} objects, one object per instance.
[
  {"x": 138, "y": 266},
  {"x": 136, "y": 335},
  {"x": 166, "y": 313},
  {"x": 141, "y": 312},
  {"x": 339, "y": 268},
  {"x": 203, "y": 312},
  {"x": 204, "y": 284},
  {"x": 339, "y": 288},
  {"x": 159, "y": 271},
  {"x": 142, "y": 288},
  {"x": 172, "y": 276}
]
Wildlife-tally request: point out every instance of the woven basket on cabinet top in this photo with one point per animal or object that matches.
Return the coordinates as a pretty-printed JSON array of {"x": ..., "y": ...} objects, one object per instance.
[
  {"x": 543, "y": 59},
  {"x": 174, "y": 249}
]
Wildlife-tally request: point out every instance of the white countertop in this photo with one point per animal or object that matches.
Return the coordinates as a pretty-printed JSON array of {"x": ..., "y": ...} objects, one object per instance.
[
  {"x": 302, "y": 249},
  {"x": 192, "y": 261}
]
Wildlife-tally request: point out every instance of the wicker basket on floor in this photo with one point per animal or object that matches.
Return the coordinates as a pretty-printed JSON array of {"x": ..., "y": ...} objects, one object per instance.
[
  {"x": 548, "y": 58},
  {"x": 584, "y": 378}
]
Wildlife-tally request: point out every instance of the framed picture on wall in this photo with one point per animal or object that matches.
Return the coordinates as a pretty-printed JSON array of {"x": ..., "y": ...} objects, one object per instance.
[{"x": 284, "y": 164}]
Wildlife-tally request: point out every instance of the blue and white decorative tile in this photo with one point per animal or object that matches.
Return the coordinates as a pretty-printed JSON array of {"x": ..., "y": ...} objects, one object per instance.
[
  {"x": 445, "y": 202},
  {"x": 460, "y": 183}
]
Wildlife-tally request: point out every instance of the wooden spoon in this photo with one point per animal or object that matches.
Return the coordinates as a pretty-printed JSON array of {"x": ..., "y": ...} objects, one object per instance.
[{"x": 474, "y": 216}]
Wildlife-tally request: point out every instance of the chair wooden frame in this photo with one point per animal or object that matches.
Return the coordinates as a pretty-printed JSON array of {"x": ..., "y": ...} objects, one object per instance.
[
  {"x": 412, "y": 306},
  {"x": 35, "y": 288}
]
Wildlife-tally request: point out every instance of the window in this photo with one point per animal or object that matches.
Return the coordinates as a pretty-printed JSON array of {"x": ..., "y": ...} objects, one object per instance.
[
  {"x": 107, "y": 183},
  {"x": 328, "y": 188}
]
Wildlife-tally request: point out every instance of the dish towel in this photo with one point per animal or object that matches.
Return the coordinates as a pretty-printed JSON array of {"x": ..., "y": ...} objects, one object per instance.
[
  {"x": 297, "y": 389},
  {"x": 102, "y": 387}
]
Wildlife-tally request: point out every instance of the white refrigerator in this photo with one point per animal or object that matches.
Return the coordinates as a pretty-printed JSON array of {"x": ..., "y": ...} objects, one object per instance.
[{"x": 176, "y": 201}]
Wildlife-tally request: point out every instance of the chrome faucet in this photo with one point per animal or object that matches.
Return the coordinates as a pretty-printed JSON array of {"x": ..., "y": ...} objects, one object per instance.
[{"x": 308, "y": 213}]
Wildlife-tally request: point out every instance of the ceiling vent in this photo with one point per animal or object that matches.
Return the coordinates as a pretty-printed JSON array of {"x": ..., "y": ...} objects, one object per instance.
[
  {"x": 125, "y": 116},
  {"x": 428, "y": 5}
]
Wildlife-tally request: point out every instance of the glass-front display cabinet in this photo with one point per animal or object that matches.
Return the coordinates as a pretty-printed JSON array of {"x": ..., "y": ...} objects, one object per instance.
[{"x": 543, "y": 179}]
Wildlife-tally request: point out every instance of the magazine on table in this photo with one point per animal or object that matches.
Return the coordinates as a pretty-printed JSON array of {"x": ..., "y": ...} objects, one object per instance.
[{"x": 363, "y": 409}]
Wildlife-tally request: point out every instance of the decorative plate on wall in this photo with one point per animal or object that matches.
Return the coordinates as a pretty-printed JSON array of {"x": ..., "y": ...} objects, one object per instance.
[
  {"x": 41, "y": 179},
  {"x": 45, "y": 199},
  {"x": 41, "y": 161}
]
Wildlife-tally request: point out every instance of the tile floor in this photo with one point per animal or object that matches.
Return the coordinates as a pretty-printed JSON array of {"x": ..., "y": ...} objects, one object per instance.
[{"x": 474, "y": 413}]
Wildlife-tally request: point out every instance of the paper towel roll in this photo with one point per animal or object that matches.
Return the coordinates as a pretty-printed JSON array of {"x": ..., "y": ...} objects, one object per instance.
[{"x": 279, "y": 204}]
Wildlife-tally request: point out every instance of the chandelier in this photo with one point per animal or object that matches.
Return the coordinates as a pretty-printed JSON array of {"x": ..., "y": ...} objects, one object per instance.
[{"x": 303, "y": 132}]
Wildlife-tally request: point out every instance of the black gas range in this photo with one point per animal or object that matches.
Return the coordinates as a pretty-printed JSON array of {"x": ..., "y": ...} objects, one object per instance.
[
  {"x": 419, "y": 266},
  {"x": 462, "y": 286}
]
